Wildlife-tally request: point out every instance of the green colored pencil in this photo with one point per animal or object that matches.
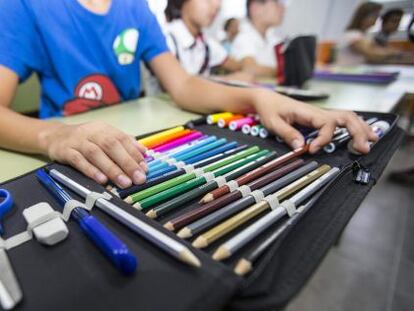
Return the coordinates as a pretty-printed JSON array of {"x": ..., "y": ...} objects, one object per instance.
[{"x": 186, "y": 177}]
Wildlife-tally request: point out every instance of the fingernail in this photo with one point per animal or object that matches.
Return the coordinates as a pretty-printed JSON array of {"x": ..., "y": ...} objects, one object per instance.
[
  {"x": 316, "y": 148},
  {"x": 144, "y": 166},
  {"x": 138, "y": 177},
  {"x": 100, "y": 178},
  {"x": 297, "y": 144},
  {"x": 124, "y": 181}
]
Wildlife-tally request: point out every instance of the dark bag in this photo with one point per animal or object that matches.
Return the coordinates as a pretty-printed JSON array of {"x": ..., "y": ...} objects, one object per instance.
[{"x": 296, "y": 60}]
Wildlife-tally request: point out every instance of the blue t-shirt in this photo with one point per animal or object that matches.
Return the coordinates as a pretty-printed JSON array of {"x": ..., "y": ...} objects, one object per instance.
[{"x": 83, "y": 60}]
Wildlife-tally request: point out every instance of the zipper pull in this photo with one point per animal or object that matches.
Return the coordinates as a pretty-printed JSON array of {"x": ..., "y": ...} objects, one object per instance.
[{"x": 362, "y": 175}]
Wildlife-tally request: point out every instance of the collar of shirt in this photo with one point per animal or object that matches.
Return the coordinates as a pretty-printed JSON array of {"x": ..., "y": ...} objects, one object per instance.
[{"x": 180, "y": 31}]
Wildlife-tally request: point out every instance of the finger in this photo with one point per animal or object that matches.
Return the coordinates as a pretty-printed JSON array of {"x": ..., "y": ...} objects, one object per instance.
[
  {"x": 97, "y": 157},
  {"x": 78, "y": 161},
  {"x": 141, "y": 148},
  {"x": 115, "y": 150},
  {"x": 324, "y": 137},
  {"x": 130, "y": 146},
  {"x": 287, "y": 132},
  {"x": 356, "y": 129}
]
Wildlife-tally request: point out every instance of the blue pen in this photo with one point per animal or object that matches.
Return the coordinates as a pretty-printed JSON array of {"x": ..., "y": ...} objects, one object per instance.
[
  {"x": 115, "y": 250},
  {"x": 204, "y": 142},
  {"x": 190, "y": 154}
]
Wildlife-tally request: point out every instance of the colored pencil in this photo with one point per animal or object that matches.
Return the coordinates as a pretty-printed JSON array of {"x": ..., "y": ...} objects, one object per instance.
[
  {"x": 254, "y": 174},
  {"x": 238, "y": 124},
  {"x": 231, "y": 246},
  {"x": 191, "y": 184},
  {"x": 183, "y": 178},
  {"x": 237, "y": 220},
  {"x": 255, "y": 130},
  {"x": 224, "y": 122},
  {"x": 218, "y": 215},
  {"x": 162, "y": 241},
  {"x": 214, "y": 118},
  {"x": 154, "y": 138},
  {"x": 168, "y": 139},
  {"x": 178, "y": 142}
]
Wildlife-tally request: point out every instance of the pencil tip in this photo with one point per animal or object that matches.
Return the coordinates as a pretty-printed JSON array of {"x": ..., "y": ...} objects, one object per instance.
[
  {"x": 152, "y": 214},
  {"x": 221, "y": 253},
  {"x": 128, "y": 200},
  {"x": 207, "y": 198},
  {"x": 243, "y": 267},
  {"x": 188, "y": 257},
  {"x": 184, "y": 233},
  {"x": 200, "y": 242},
  {"x": 169, "y": 226},
  {"x": 137, "y": 206}
]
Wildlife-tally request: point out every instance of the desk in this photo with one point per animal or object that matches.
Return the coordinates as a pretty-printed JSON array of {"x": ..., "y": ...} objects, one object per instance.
[{"x": 150, "y": 114}]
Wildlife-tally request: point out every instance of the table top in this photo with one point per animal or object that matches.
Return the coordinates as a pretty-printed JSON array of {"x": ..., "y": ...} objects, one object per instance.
[{"x": 149, "y": 114}]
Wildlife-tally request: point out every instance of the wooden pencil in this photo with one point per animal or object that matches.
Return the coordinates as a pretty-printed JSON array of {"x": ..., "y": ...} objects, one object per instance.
[
  {"x": 242, "y": 180},
  {"x": 234, "y": 222}
]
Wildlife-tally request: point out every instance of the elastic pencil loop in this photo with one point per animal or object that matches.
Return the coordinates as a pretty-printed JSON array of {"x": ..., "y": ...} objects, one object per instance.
[
  {"x": 245, "y": 190},
  {"x": 188, "y": 169},
  {"x": 290, "y": 207},
  {"x": 70, "y": 206},
  {"x": 179, "y": 165},
  {"x": 27, "y": 235},
  {"x": 171, "y": 161},
  {"x": 198, "y": 172},
  {"x": 258, "y": 195},
  {"x": 272, "y": 200},
  {"x": 233, "y": 185},
  {"x": 151, "y": 153},
  {"x": 92, "y": 197},
  {"x": 209, "y": 176},
  {"x": 220, "y": 180}
]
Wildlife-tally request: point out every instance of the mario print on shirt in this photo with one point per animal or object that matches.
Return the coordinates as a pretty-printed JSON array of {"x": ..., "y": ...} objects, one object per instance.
[{"x": 92, "y": 92}]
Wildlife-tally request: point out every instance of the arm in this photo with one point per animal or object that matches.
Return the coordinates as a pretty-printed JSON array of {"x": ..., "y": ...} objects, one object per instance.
[
  {"x": 250, "y": 65},
  {"x": 276, "y": 111},
  {"x": 87, "y": 147},
  {"x": 373, "y": 52}
]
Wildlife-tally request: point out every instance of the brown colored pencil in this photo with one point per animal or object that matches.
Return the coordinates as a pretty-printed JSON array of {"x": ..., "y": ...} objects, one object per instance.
[
  {"x": 197, "y": 213},
  {"x": 259, "y": 172}
]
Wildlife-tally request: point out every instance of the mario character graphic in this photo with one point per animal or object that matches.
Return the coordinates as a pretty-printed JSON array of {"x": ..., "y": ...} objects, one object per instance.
[{"x": 92, "y": 92}]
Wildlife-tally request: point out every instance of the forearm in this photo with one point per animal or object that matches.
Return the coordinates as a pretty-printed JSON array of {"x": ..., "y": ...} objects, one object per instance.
[{"x": 24, "y": 134}]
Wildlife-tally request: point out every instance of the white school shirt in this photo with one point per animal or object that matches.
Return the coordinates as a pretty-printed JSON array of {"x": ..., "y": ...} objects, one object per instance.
[
  {"x": 346, "y": 56},
  {"x": 250, "y": 43},
  {"x": 196, "y": 54}
]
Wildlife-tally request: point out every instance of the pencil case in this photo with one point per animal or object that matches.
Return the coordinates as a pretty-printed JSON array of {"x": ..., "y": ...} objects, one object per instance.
[{"x": 75, "y": 275}]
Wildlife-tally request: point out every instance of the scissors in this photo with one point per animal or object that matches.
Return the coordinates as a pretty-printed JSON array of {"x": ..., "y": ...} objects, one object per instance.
[{"x": 10, "y": 292}]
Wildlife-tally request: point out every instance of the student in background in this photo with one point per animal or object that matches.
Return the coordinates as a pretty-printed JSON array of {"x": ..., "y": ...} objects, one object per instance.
[
  {"x": 357, "y": 47},
  {"x": 87, "y": 55},
  {"x": 196, "y": 52},
  {"x": 254, "y": 45},
  {"x": 231, "y": 27},
  {"x": 390, "y": 23}
]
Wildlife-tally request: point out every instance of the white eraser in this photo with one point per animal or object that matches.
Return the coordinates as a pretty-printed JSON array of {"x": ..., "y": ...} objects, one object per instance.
[{"x": 50, "y": 232}]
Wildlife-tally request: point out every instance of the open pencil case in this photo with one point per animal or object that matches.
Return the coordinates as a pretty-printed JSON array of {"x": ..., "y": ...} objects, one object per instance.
[{"x": 74, "y": 275}]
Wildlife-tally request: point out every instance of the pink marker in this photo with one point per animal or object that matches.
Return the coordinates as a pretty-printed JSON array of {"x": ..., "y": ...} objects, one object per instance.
[
  {"x": 238, "y": 124},
  {"x": 178, "y": 142}
]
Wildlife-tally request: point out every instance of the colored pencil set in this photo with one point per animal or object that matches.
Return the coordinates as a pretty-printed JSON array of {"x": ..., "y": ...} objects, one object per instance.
[{"x": 240, "y": 191}]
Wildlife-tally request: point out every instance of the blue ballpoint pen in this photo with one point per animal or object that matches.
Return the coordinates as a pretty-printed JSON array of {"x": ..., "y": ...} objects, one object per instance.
[{"x": 115, "y": 250}]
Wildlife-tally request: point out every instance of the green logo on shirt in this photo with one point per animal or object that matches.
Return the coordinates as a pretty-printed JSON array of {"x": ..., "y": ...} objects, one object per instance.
[{"x": 125, "y": 46}]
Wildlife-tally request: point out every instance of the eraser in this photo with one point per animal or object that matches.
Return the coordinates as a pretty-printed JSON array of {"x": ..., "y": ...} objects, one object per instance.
[{"x": 50, "y": 232}]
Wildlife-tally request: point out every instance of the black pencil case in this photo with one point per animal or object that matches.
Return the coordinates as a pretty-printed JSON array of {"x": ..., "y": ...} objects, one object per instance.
[{"x": 74, "y": 274}]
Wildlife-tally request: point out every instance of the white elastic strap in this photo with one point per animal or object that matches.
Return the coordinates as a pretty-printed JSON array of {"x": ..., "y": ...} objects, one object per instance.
[
  {"x": 151, "y": 153},
  {"x": 290, "y": 207},
  {"x": 209, "y": 176},
  {"x": 188, "y": 169},
  {"x": 25, "y": 236},
  {"x": 272, "y": 200},
  {"x": 233, "y": 185},
  {"x": 198, "y": 172},
  {"x": 220, "y": 180},
  {"x": 92, "y": 197},
  {"x": 179, "y": 165},
  {"x": 158, "y": 156},
  {"x": 70, "y": 206},
  {"x": 258, "y": 195},
  {"x": 163, "y": 157},
  {"x": 171, "y": 161},
  {"x": 244, "y": 190}
]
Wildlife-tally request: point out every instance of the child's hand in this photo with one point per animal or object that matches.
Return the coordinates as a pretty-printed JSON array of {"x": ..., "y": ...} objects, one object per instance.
[
  {"x": 99, "y": 151},
  {"x": 278, "y": 112}
]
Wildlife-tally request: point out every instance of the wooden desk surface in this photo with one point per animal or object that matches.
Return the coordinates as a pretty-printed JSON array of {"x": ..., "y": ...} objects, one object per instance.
[{"x": 150, "y": 114}]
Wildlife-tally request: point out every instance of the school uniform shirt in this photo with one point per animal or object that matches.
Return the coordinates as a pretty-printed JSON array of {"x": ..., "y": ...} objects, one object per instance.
[
  {"x": 346, "y": 56},
  {"x": 84, "y": 60},
  {"x": 250, "y": 43},
  {"x": 198, "y": 55}
]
